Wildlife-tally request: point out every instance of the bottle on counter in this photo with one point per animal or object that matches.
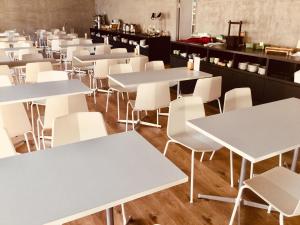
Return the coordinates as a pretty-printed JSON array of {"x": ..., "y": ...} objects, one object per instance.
[{"x": 190, "y": 64}]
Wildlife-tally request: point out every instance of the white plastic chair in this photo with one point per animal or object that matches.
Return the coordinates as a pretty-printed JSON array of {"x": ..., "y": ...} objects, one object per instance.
[
  {"x": 113, "y": 87},
  {"x": 23, "y": 52},
  {"x": 103, "y": 49},
  {"x": 56, "y": 107},
  {"x": 180, "y": 111},
  {"x": 13, "y": 118},
  {"x": 279, "y": 187},
  {"x": 84, "y": 41},
  {"x": 153, "y": 96},
  {"x": 5, "y": 81},
  {"x": 154, "y": 65},
  {"x": 138, "y": 63},
  {"x": 7, "y": 148},
  {"x": 118, "y": 50},
  {"x": 81, "y": 69},
  {"x": 101, "y": 71},
  {"x": 4, "y": 45},
  {"x": 32, "y": 70},
  {"x": 209, "y": 89},
  {"x": 77, "y": 127}
]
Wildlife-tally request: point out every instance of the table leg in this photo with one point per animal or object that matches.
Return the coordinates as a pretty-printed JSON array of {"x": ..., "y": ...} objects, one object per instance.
[
  {"x": 295, "y": 159},
  {"x": 110, "y": 216},
  {"x": 243, "y": 172},
  {"x": 178, "y": 89}
]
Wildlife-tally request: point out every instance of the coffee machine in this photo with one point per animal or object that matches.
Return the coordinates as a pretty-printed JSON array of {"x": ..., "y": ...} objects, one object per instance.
[{"x": 99, "y": 20}]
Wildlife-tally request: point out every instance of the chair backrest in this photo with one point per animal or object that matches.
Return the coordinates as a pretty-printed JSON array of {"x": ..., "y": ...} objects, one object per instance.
[
  {"x": 101, "y": 67},
  {"x": 118, "y": 69},
  {"x": 76, "y": 41},
  {"x": 237, "y": 98},
  {"x": 103, "y": 49},
  {"x": 32, "y": 56},
  {"x": 2, "y": 52},
  {"x": 13, "y": 118},
  {"x": 81, "y": 51},
  {"x": 7, "y": 148},
  {"x": 5, "y": 81},
  {"x": 138, "y": 63},
  {"x": 152, "y": 96},
  {"x": 83, "y": 41},
  {"x": 154, "y": 65},
  {"x": 23, "y": 44},
  {"x": 297, "y": 77},
  {"x": 23, "y": 52},
  {"x": 4, "y": 44},
  {"x": 70, "y": 52},
  {"x": 119, "y": 50},
  {"x": 55, "y": 44},
  {"x": 180, "y": 111},
  {"x": 63, "y": 105},
  {"x": 4, "y": 70},
  {"x": 209, "y": 89},
  {"x": 32, "y": 70},
  {"x": 52, "y": 75},
  {"x": 77, "y": 127}
]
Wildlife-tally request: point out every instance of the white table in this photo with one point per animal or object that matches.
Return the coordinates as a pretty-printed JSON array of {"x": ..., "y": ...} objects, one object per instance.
[
  {"x": 22, "y": 63},
  {"x": 64, "y": 46},
  {"x": 94, "y": 58},
  {"x": 257, "y": 133},
  {"x": 16, "y": 49},
  {"x": 39, "y": 91},
  {"x": 128, "y": 80},
  {"x": 69, "y": 182}
]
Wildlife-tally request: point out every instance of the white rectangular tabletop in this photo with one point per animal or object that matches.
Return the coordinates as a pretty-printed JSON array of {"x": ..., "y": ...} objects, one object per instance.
[
  {"x": 16, "y": 49},
  {"x": 255, "y": 133},
  {"x": 39, "y": 91},
  {"x": 22, "y": 63},
  {"x": 72, "y": 181},
  {"x": 167, "y": 75},
  {"x": 94, "y": 58}
]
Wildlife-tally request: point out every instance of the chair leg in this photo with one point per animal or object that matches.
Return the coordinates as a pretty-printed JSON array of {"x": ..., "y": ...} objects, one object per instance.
[
  {"x": 220, "y": 107},
  {"x": 27, "y": 142},
  {"x": 237, "y": 204},
  {"x": 123, "y": 215},
  {"x": 127, "y": 111},
  {"x": 43, "y": 139},
  {"x": 107, "y": 100},
  {"x": 192, "y": 177},
  {"x": 157, "y": 117},
  {"x": 127, "y": 95},
  {"x": 212, "y": 155},
  {"x": 280, "y": 160},
  {"x": 132, "y": 118},
  {"x": 231, "y": 169},
  {"x": 166, "y": 147},
  {"x": 202, "y": 156},
  {"x": 281, "y": 219},
  {"x": 251, "y": 170},
  {"x": 118, "y": 104},
  {"x": 34, "y": 140},
  {"x": 32, "y": 119},
  {"x": 122, "y": 95}
]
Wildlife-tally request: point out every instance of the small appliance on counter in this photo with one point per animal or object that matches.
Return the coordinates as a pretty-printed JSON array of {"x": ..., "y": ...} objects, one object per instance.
[
  {"x": 115, "y": 24},
  {"x": 99, "y": 20},
  {"x": 234, "y": 42}
]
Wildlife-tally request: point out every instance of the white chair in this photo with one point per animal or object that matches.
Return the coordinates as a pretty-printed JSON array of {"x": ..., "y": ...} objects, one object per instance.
[
  {"x": 4, "y": 45},
  {"x": 297, "y": 77},
  {"x": 81, "y": 69},
  {"x": 154, "y": 65},
  {"x": 138, "y": 63},
  {"x": 13, "y": 118},
  {"x": 56, "y": 107},
  {"x": 5, "y": 81},
  {"x": 21, "y": 52},
  {"x": 150, "y": 97},
  {"x": 23, "y": 44},
  {"x": 100, "y": 73},
  {"x": 32, "y": 56},
  {"x": 118, "y": 50},
  {"x": 103, "y": 49},
  {"x": 52, "y": 75},
  {"x": 209, "y": 89},
  {"x": 32, "y": 70},
  {"x": 279, "y": 188},
  {"x": 180, "y": 111},
  {"x": 4, "y": 70},
  {"x": 83, "y": 126},
  {"x": 7, "y": 148},
  {"x": 113, "y": 87},
  {"x": 83, "y": 41},
  {"x": 69, "y": 56}
]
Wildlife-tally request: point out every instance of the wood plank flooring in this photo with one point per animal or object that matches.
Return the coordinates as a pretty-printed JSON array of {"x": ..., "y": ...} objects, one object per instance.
[{"x": 172, "y": 207}]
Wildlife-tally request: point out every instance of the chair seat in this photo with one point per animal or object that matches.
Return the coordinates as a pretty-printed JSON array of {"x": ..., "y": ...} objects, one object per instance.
[
  {"x": 278, "y": 187},
  {"x": 196, "y": 141},
  {"x": 121, "y": 89}
]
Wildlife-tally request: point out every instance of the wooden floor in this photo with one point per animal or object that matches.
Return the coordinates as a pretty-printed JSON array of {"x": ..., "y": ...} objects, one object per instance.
[{"x": 172, "y": 207}]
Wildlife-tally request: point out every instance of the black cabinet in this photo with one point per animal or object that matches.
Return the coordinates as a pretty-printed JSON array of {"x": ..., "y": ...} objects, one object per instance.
[{"x": 158, "y": 47}]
